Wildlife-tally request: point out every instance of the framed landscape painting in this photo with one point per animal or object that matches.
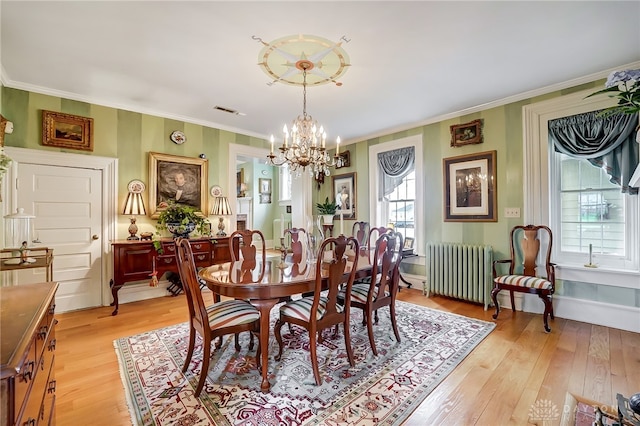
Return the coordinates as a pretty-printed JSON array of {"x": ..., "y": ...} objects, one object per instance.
[{"x": 67, "y": 131}]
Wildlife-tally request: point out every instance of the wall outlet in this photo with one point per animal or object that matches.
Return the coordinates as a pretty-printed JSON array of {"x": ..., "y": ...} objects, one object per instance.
[{"x": 512, "y": 212}]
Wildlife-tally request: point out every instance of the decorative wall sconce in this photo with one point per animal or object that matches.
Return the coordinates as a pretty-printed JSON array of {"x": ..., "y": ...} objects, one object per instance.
[{"x": 134, "y": 206}]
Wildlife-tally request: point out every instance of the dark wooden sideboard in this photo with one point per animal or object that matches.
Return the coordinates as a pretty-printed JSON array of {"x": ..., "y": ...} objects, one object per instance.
[{"x": 134, "y": 260}]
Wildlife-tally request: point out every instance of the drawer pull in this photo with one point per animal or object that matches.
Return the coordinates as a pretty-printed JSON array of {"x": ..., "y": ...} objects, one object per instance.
[
  {"x": 52, "y": 345},
  {"x": 202, "y": 257},
  {"x": 167, "y": 261},
  {"x": 42, "y": 333},
  {"x": 52, "y": 309},
  {"x": 29, "y": 422},
  {"x": 28, "y": 371},
  {"x": 52, "y": 387},
  {"x": 197, "y": 246}
]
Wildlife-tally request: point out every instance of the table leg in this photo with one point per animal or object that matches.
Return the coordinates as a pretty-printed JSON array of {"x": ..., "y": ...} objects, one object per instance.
[{"x": 264, "y": 306}]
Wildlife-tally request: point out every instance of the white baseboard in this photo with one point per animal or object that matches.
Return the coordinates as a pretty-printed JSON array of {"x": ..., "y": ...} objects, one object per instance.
[{"x": 589, "y": 311}]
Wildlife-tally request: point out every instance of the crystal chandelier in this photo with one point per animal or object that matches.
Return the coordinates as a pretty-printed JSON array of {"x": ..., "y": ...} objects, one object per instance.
[{"x": 307, "y": 147}]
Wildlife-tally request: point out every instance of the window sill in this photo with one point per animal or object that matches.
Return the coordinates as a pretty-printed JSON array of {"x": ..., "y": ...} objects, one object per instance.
[{"x": 602, "y": 276}]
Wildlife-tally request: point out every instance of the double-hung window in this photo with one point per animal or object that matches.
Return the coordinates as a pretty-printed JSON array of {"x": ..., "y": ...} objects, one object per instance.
[
  {"x": 395, "y": 196},
  {"x": 580, "y": 199}
]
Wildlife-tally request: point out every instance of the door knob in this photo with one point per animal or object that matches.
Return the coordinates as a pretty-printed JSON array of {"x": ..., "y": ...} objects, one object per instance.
[{"x": 95, "y": 237}]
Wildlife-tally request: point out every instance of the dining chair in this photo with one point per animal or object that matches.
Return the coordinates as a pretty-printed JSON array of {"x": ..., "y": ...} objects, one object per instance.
[
  {"x": 210, "y": 322},
  {"x": 530, "y": 268},
  {"x": 374, "y": 234},
  {"x": 247, "y": 253},
  {"x": 247, "y": 245},
  {"x": 299, "y": 243},
  {"x": 321, "y": 310},
  {"x": 381, "y": 290},
  {"x": 360, "y": 232},
  {"x": 372, "y": 237}
]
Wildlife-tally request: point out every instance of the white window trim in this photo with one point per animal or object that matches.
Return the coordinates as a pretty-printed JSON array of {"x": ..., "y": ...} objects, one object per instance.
[
  {"x": 284, "y": 177},
  {"x": 375, "y": 208},
  {"x": 537, "y": 206}
]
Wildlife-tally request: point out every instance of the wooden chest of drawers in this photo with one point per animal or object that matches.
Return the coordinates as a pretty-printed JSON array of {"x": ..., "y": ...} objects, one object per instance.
[{"x": 28, "y": 384}]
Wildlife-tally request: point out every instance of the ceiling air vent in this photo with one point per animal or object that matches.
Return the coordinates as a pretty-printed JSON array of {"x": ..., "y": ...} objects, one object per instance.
[{"x": 228, "y": 110}]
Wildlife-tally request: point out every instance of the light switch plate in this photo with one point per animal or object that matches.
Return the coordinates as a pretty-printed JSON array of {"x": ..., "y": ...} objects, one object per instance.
[{"x": 512, "y": 212}]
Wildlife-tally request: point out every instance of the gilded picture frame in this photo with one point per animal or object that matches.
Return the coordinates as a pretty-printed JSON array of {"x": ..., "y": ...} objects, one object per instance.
[
  {"x": 466, "y": 134},
  {"x": 67, "y": 131},
  {"x": 470, "y": 188},
  {"x": 173, "y": 178}
]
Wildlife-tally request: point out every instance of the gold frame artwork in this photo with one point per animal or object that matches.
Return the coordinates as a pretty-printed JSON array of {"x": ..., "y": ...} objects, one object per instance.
[
  {"x": 466, "y": 134},
  {"x": 163, "y": 186},
  {"x": 67, "y": 131},
  {"x": 470, "y": 188}
]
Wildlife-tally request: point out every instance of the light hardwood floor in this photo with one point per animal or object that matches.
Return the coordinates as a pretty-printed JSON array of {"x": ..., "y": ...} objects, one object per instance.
[{"x": 515, "y": 367}]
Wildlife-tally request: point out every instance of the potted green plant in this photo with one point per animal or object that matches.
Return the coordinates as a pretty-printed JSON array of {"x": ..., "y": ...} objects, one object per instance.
[
  {"x": 181, "y": 220},
  {"x": 327, "y": 210}
]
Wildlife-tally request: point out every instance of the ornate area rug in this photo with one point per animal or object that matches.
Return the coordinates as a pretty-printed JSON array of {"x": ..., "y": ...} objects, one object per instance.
[{"x": 381, "y": 390}]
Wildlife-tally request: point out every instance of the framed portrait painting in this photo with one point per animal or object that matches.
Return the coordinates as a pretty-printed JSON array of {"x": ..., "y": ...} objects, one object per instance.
[
  {"x": 344, "y": 192},
  {"x": 470, "y": 193},
  {"x": 181, "y": 180},
  {"x": 67, "y": 131}
]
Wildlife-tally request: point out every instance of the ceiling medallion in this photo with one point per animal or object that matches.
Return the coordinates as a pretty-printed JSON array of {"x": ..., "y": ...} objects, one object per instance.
[
  {"x": 281, "y": 58},
  {"x": 318, "y": 60}
]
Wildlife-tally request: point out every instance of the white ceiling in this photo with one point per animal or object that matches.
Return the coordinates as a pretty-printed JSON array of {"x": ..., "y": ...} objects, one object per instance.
[{"x": 411, "y": 62}]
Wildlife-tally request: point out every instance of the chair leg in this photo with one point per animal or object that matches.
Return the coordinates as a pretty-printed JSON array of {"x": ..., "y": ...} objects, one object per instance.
[
  {"x": 347, "y": 342},
  {"x": 192, "y": 343},
  {"x": 394, "y": 323},
  {"x": 236, "y": 339},
  {"x": 313, "y": 347},
  {"x": 494, "y": 297},
  {"x": 370, "y": 331},
  {"x": 251, "y": 342},
  {"x": 206, "y": 354},
  {"x": 277, "y": 331},
  {"x": 548, "y": 309},
  {"x": 513, "y": 303}
]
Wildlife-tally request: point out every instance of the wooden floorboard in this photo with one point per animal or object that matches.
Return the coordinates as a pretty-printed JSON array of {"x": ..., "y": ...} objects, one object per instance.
[{"x": 516, "y": 367}]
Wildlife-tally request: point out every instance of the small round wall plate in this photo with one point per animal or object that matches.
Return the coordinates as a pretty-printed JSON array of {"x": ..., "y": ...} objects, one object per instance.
[
  {"x": 178, "y": 137},
  {"x": 136, "y": 186},
  {"x": 216, "y": 191}
]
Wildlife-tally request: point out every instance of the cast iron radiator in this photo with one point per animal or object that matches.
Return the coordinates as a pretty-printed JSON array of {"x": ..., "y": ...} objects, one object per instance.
[{"x": 460, "y": 270}]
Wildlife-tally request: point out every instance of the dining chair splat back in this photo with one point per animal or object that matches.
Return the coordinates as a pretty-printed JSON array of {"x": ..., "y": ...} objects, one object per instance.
[
  {"x": 299, "y": 243},
  {"x": 321, "y": 310},
  {"x": 216, "y": 320},
  {"x": 382, "y": 289},
  {"x": 247, "y": 245},
  {"x": 374, "y": 235},
  {"x": 360, "y": 232},
  {"x": 530, "y": 268}
]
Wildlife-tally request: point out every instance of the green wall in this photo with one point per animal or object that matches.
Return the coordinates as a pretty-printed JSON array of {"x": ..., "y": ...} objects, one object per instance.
[
  {"x": 126, "y": 135},
  {"x": 130, "y": 136}
]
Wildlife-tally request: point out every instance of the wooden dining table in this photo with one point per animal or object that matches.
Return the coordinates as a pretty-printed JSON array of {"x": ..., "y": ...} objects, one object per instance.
[{"x": 266, "y": 285}]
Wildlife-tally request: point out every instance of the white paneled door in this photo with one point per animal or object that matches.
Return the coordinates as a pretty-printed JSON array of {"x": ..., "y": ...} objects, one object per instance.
[{"x": 67, "y": 203}]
